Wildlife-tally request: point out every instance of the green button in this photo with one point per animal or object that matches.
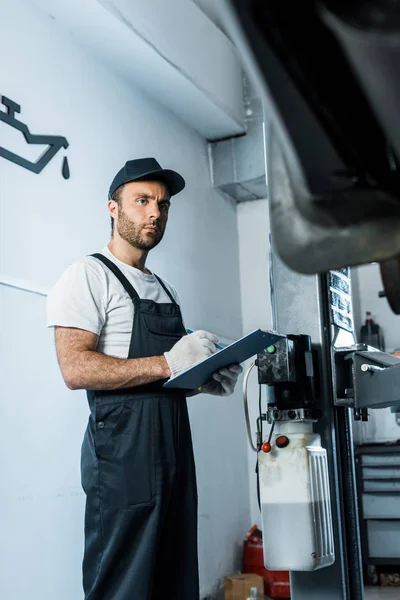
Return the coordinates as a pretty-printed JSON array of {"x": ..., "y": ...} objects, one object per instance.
[{"x": 271, "y": 349}]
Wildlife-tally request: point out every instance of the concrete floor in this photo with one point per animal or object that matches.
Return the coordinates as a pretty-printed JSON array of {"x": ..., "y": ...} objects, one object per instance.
[{"x": 382, "y": 593}]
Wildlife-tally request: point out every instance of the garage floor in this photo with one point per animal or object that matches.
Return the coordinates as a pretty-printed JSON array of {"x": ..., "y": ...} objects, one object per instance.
[
  {"x": 382, "y": 593},
  {"x": 379, "y": 593}
]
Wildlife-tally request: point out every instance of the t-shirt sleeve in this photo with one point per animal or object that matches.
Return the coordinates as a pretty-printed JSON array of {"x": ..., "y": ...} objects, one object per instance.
[{"x": 78, "y": 298}]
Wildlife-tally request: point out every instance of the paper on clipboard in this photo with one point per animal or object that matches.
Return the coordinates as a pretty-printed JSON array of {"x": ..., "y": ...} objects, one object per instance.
[{"x": 235, "y": 353}]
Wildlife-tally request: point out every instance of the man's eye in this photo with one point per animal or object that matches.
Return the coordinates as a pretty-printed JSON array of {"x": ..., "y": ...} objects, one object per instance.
[
  {"x": 141, "y": 200},
  {"x": 164, "y": 206}
]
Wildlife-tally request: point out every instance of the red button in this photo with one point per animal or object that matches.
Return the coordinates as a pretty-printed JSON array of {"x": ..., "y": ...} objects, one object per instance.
[
  {"x": 282, "y": 441},
  {"x": 266, "y": 447}
]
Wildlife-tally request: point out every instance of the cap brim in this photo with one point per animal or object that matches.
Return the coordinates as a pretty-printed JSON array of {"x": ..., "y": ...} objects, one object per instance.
[{"x": 172, "y": 179}]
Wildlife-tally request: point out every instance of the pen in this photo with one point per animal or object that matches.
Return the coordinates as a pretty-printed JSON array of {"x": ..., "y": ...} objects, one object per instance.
[{"x": 217, "y": 345}]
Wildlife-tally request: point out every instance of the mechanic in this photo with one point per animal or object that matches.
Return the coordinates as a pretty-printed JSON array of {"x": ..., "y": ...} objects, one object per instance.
[{"x": 120, "y": 335}]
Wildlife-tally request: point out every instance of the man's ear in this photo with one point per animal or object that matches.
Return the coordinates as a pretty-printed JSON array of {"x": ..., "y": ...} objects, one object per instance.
[{"x": 113, "y": 208}]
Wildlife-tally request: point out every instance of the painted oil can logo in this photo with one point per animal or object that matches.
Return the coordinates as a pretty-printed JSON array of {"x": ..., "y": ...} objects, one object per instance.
[{"x": 54, "y": 142}]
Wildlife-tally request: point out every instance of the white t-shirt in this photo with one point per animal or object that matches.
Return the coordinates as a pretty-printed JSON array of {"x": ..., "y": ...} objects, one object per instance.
[{"x": 89, "y": 296}]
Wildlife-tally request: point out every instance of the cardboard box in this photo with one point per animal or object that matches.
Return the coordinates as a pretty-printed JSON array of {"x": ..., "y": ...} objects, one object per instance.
[{"x": 237, "y": 587}]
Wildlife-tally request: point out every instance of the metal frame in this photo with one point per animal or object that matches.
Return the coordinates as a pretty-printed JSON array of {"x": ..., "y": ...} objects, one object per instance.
[
  {"x": 366, "y": 378},
  {"x": 301, "y": 306},
  {"x": 363, "y": 529}
]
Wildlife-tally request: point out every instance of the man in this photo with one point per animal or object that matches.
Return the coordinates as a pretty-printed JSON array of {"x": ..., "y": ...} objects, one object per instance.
[{"x": 119, "y": 335}]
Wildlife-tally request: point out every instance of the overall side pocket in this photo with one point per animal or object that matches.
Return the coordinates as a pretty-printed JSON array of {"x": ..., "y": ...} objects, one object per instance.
[{"x": 125, "y": 450}]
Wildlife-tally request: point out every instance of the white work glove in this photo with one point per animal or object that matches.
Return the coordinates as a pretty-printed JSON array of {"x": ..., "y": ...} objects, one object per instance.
[
  {"x": 190, "y": 350},
  {"x": 223, "y": 381}
]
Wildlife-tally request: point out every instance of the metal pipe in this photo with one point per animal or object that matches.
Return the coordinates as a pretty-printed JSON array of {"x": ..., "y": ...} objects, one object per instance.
[
  {"x": 371, "y": 368},
  {"x": 246, "y": 408}
]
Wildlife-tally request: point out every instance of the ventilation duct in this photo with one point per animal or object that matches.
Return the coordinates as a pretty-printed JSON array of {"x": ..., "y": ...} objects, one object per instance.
[{"x": 237, "y": 163}]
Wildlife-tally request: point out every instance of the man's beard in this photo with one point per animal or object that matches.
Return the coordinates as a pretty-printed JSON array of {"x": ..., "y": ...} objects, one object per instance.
[{"x": 132, "y": 233}]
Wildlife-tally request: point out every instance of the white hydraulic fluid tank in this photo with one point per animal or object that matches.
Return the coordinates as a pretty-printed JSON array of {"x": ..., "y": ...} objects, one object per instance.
[{"x": 295, "y": 500}]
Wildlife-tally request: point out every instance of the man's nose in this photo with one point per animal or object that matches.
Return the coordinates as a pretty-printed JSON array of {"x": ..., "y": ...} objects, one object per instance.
[{"x": 154, "y": 211}]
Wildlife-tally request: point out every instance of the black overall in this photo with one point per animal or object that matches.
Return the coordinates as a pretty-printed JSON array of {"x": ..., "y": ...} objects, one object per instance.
[{"x": 139, "y": 477}]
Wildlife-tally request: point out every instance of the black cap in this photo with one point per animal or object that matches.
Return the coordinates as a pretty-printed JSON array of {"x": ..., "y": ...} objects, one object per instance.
[{"x": 147, "y": 169}]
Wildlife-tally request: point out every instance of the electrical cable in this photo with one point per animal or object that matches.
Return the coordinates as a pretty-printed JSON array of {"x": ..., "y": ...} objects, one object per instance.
[
  {"x": 271, "y": 431},
  {"x": 260, "y": 441},
  {"x": 259, "y": 425}
]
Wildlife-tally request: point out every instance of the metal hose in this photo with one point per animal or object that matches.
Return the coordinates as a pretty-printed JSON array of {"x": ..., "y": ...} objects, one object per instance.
[{"x": 246, "y": 407}]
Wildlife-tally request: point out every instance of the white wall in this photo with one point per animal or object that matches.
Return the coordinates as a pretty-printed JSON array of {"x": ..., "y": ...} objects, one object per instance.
[
  {"x": 253, "y": 221},
  {"x": 367, "y": 283},
  {"x": 47, "y": 222}
]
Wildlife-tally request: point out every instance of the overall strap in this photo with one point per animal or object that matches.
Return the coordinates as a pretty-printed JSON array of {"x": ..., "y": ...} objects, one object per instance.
[
  {"x": 160, "y": 281},
  {"x": 118, "y": 273}
]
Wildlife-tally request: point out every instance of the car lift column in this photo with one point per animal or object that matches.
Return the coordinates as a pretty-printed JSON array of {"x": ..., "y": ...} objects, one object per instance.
[{"x": 301, "y": 305}]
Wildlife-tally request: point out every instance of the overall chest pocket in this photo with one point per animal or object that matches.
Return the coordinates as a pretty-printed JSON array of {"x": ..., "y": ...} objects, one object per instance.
[
  {"x": 124, "y": 441},
  {"x": 163, "y": 320}
]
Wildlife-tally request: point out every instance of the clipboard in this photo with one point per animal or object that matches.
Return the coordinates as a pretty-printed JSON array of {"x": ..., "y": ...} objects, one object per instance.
[{"x": 236, "y": 353}]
